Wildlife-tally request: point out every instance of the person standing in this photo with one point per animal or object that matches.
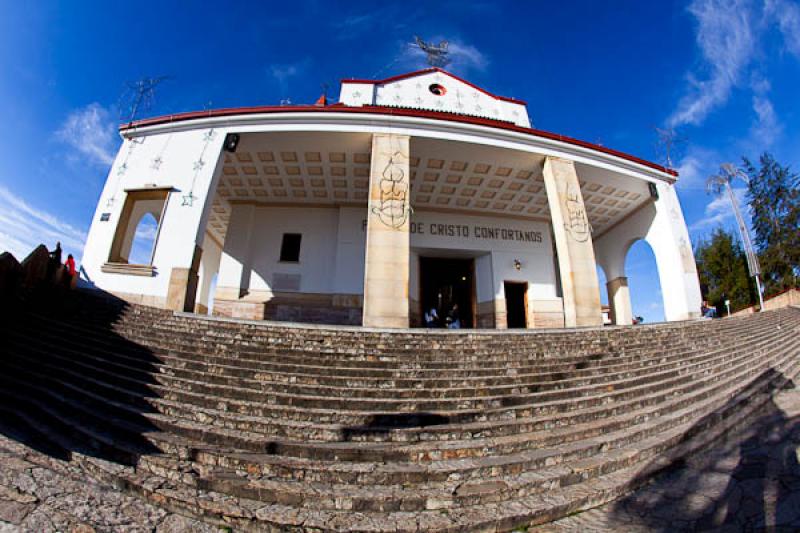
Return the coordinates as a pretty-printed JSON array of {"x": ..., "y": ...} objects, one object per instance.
[
  {"x": 70, "y": 266},
  {"x": 431, "y": 318},
  {"x": 453, "y": 319}
]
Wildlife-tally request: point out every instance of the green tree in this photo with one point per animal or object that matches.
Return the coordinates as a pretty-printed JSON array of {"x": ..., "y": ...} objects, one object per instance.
[
  {"x": 722, "y": 267},
  {"x": 773, "y": 192}
]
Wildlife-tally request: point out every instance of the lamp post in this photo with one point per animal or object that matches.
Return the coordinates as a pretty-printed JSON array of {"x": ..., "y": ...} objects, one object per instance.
[{"x": 716, "y": 184}]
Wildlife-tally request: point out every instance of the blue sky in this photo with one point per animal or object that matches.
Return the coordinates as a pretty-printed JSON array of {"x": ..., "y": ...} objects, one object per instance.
[{"x": 724, "y": 72}]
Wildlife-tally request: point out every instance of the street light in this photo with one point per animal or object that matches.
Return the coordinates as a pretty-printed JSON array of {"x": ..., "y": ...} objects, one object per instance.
[{"x": 716, "y": 184}]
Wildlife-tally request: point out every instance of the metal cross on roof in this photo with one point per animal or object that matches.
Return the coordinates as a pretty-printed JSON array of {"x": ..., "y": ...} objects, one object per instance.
[{"x": 436, "y": 53}]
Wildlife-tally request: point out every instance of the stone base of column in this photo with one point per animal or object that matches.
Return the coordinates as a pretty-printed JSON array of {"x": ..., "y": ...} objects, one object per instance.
[
  {"x": 619, "y": 298},
  {"x": 183, "y": 285}
]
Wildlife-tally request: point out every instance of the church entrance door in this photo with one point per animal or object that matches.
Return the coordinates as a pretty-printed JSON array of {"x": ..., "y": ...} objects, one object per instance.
[{"x": 447, "y": 283}]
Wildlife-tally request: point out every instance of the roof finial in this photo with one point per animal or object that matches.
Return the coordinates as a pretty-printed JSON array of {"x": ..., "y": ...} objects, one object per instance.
[{"x": 436, "y": 53}]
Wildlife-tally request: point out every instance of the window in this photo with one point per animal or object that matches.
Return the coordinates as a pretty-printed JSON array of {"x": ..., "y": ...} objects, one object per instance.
[
  {"x": 136, "y": 234},
  {"x": 137, "y": 229},
  {"x": 437, "y": 89},
  {"x": 290, "y": 248}
]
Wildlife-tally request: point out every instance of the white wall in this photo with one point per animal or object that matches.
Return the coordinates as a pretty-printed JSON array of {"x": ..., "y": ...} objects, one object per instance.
[
  {"x": 333, "y": 242},
  {"x": 182, "y": 226},
  {"x": 252, "y": 249},
  {"x": 413, "y": 92}
]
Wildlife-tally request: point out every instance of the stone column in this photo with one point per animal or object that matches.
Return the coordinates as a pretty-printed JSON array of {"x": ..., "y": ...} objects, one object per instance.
[
  {"x": 387, "y": 245},
  {"x": 183, "y": 284},
  {"x": 619, "y": 297},
  {"x": 573, "y": 238}
]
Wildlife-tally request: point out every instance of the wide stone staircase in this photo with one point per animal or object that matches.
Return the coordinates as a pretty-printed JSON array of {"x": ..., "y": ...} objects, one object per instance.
[{"x": 270, "y": 427}]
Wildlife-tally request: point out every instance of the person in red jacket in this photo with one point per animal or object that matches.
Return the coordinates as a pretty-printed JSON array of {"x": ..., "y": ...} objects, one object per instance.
[{"x": 70, "y": 265}]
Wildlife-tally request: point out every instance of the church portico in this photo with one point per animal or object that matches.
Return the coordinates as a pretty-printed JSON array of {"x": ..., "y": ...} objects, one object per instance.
[{"x": 350, "y": 213}]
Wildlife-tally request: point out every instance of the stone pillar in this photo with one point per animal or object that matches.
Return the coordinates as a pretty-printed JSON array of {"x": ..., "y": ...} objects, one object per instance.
[
  {"x": 573, "y": 238},
  {"x": 387, "y": 245},
  {"x": 183, "y": 284},
  {"x": 619, "y": 297}
]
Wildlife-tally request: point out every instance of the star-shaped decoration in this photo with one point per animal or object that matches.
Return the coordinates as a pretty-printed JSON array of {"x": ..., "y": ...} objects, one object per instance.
[
  {"x": 357, "y": 94},
  {"x": 418, "y": 100},
  {"x": 198, "y": 165},
  {"x": 122, "y": 168},
  {"x": 110, "y": 202},
  {"x": 478, "y": 108},
  {"x": 209, "y": 135},
  {"x": 156, "y": 164},
  {"x": 188, "y": 199}
]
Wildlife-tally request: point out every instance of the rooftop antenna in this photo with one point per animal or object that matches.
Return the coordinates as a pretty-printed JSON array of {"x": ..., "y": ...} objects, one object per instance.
[
  {"x": 716, "y": 183},
  {"x": 669, "y": 143},
  {"x": 436, "y": 53},
  {"x": 142, "y": 94}
]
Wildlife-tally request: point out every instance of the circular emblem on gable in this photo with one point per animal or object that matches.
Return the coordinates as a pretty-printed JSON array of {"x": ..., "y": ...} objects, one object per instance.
[{"x": 437, "y": 89}]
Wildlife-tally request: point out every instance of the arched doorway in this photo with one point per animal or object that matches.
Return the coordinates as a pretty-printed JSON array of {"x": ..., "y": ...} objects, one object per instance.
[
  {"x": 644, "y": 284},
  {"x": 144, "y": 240},
  {"x": 602, "y": 281}
]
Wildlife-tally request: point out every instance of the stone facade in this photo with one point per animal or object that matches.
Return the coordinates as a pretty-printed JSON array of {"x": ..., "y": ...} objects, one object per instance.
[{"x": 573, "y": 239}]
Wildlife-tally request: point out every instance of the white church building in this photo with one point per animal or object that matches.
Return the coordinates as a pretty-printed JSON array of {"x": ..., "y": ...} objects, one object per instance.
[{"x": 414, "y": 192}]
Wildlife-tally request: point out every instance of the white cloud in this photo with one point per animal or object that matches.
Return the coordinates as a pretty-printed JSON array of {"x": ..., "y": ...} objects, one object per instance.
[
  {"x": 726, "y": 38},
  {"x": 695, "y": 167},
  {"x": 23, "y": 227},
  {"x": 787, "y": 15},
  {"x": 284, "y": 73},
  {"x": 719, "y": 210},
  {"x": 766, "y": 127},
  {"x": 92, "y": 133}
]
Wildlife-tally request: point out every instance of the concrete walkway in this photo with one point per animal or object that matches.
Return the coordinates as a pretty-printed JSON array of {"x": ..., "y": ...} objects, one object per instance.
[{"x": 749, "y": 482}]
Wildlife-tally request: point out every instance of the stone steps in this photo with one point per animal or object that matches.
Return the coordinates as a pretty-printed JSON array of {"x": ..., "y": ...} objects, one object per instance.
[
  {"x": 180, "y": 397},
  {"x": 187, "y": 358},
  {"x": 503, "y": 515},
  {"x": 476, "y": 443},
  {"x": 461, "y": 350},
  {"x": 267, "y": 427},
  {"x": 192, "y": 380},
  {"x": 459, "y": 493}
]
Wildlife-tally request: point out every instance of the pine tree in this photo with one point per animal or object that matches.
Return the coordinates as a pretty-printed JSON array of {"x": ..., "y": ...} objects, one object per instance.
[
  {"x": 774, "y": 195},
  {"x": 722, "y": 267}
]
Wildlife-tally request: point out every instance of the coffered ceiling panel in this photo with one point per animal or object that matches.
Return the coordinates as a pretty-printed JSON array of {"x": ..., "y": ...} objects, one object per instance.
[{"x": 333, "y": 169}]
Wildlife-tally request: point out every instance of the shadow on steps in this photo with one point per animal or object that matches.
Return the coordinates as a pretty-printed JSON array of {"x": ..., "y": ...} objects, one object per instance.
[
  {"x": 51, "y": 403},
  {"x": 748, "y": 479},
  {"x": 383, "y": 424}
]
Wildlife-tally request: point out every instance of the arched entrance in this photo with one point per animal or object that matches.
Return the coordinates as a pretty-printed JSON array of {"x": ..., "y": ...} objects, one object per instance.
[
  {"x": 144, "y": 240},
  {"x": 644, "y": 284}
]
